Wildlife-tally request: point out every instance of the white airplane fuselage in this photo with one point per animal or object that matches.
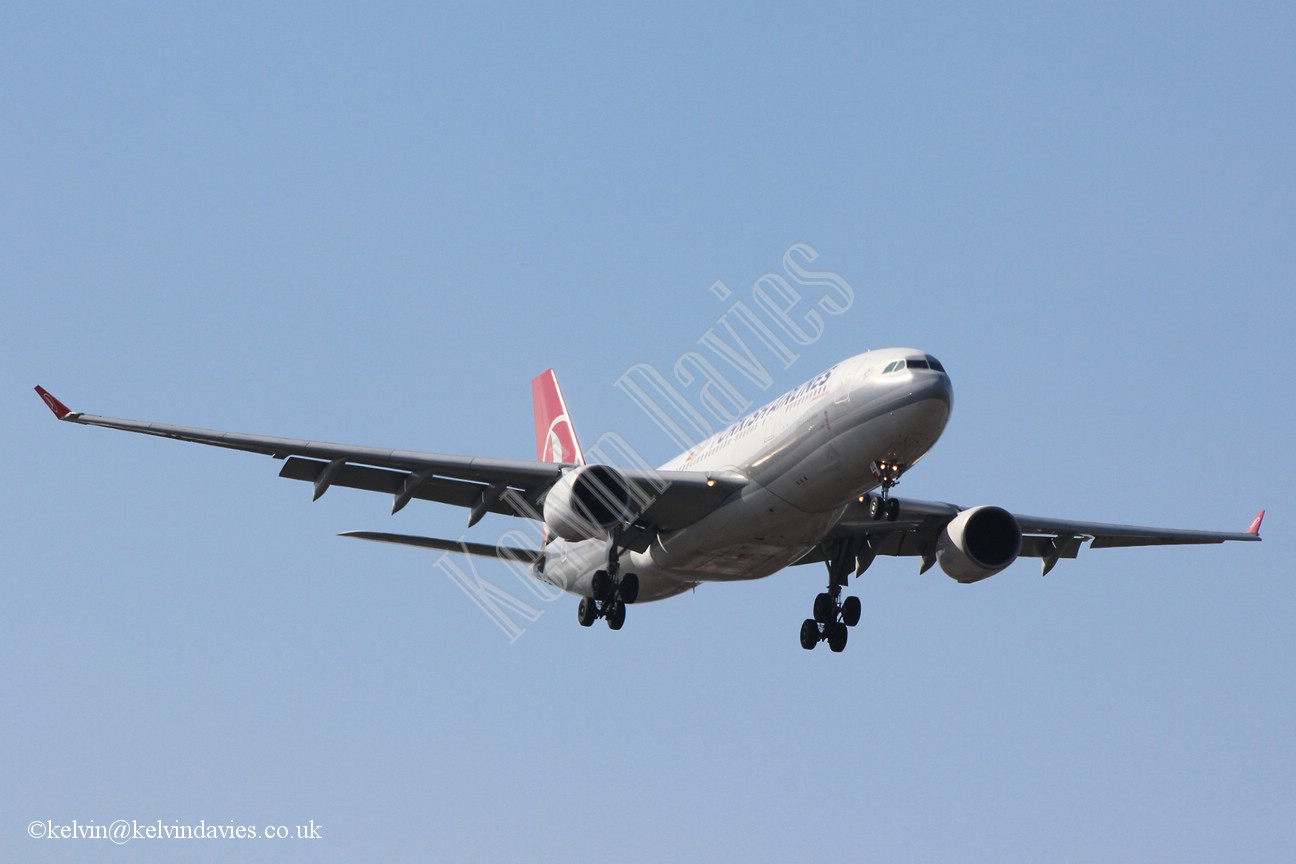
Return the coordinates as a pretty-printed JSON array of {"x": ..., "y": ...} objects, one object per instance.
[{"x": 806, "y": 457}]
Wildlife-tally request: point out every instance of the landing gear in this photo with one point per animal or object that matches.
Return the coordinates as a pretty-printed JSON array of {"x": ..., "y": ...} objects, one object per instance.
[
  {"x": 851, "y": 610},
  {"x": 609, "y": 599},
  {"x": 884, "y": 506},
  {"x": 836, "y": 637},
  {"x": 601, "y": 585},
  {"x": 834, "y": 633},
  {"x": 629, "y": 587},
  {"x": 587, "y": 611},
  {"x": 833, "y": 614},
  {"x": 616, "y": 615},
  {"x": 610, "y": 594},
  {"x": 825, "y": 609}
]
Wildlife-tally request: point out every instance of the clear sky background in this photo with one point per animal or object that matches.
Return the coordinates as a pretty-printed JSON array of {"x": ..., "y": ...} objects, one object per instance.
[{"x": 376, "y": 225}]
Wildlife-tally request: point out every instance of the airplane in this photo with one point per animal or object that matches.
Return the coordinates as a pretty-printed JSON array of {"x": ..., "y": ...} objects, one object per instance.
[{"x": 807, "y": 478}]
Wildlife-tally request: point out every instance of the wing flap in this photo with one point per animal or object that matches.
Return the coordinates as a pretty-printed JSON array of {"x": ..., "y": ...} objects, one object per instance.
[{"x": 443, "y": 490}]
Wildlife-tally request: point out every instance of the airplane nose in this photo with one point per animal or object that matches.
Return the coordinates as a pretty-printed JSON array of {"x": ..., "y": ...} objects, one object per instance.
[{"x": 940, "y": 388}]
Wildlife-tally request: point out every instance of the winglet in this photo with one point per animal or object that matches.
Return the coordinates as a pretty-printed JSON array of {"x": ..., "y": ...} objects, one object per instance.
[
  {"x": 1255, "y": 526},
  {"x": 60, "y": 410}
]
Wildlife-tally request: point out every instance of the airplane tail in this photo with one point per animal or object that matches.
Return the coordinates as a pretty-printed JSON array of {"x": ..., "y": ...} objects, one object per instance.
[{"x": 555, "y": 435}]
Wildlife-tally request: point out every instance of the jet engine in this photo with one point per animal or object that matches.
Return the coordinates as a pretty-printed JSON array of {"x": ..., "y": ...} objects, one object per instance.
[
  {"x": 587, "y": 502},
  {"x": 978, "y": 543}
]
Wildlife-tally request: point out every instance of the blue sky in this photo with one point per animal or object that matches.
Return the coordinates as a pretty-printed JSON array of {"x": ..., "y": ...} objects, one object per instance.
[{"x": 376, "y": 225}]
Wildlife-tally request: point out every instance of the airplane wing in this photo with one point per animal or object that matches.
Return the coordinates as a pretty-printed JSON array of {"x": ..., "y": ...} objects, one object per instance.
[
  {"x": 510, "y": 487},
  {"x": 918, "y": 526}
]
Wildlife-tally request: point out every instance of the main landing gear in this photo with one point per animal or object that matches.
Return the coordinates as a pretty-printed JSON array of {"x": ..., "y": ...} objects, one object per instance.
[
  {"x": 610, "y": 594},
  {"x": 833, "y": 614}
]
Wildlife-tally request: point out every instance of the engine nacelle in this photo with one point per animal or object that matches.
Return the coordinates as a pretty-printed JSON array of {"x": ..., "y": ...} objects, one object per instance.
[
  {"x": 587, "y": 502},
  {"x": 978, "y": 543}
]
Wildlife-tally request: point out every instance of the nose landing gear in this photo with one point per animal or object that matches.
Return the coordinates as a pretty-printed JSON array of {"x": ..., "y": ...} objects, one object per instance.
[{"x": 884, "y": 506}]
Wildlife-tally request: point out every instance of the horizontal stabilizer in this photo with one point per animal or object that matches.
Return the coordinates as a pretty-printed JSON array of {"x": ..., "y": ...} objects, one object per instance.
[{"x": 509, "y": 553}]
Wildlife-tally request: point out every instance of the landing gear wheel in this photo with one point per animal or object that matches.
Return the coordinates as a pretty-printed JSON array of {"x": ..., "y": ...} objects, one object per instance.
[
  {"x": 630, "y": 587},
  {"x": 615, "y": 615},
  {"x": 892, "y": 509},
  {"x": 825, "y": 610},
  {"x": 809, "y": 634},
  {"x": 851, "y": 611},
  {"x": 837, "y": 637},
  {"x": 587, "y": 611},
  {"x": 876, "y": 508},
  {"x": 602, "y": 585}
]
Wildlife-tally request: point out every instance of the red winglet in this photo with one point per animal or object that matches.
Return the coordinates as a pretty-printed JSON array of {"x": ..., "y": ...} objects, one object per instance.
[
  {"x": 60, "y": 410},
  {"x": 1255, "y": 526}
]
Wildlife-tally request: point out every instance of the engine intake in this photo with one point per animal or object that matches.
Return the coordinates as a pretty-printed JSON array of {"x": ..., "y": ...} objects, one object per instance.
[
  {"x": 587, "y": 502},
  {"x": 978, "y": 543}
]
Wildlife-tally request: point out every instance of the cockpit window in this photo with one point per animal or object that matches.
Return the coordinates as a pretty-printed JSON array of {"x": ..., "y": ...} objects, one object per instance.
[{"x": 925, "y": 362}]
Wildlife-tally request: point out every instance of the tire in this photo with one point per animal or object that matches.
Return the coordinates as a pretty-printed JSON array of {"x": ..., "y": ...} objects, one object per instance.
[
  {"x": 809, "y": 634},
  {"x": 876, "y": 508},
  {"x": 851, "y": 611},
  {"x": 601, "y": 585},
  {"x": 837, "y": 638},
  {"x": 630, "y": 587},
  {"x": 616, "y": 615},
  {"x": 893, "y": 509},
  {"x": 587, "y": 611},
  {"x": 824, "y": 611}
]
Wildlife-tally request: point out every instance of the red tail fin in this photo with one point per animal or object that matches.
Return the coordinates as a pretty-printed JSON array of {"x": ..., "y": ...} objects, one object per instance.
[{"x": 555, "y": 434}]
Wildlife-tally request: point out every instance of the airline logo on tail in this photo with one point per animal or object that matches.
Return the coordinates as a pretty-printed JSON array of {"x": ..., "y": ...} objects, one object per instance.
[{"x": 555, "y": 434}]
